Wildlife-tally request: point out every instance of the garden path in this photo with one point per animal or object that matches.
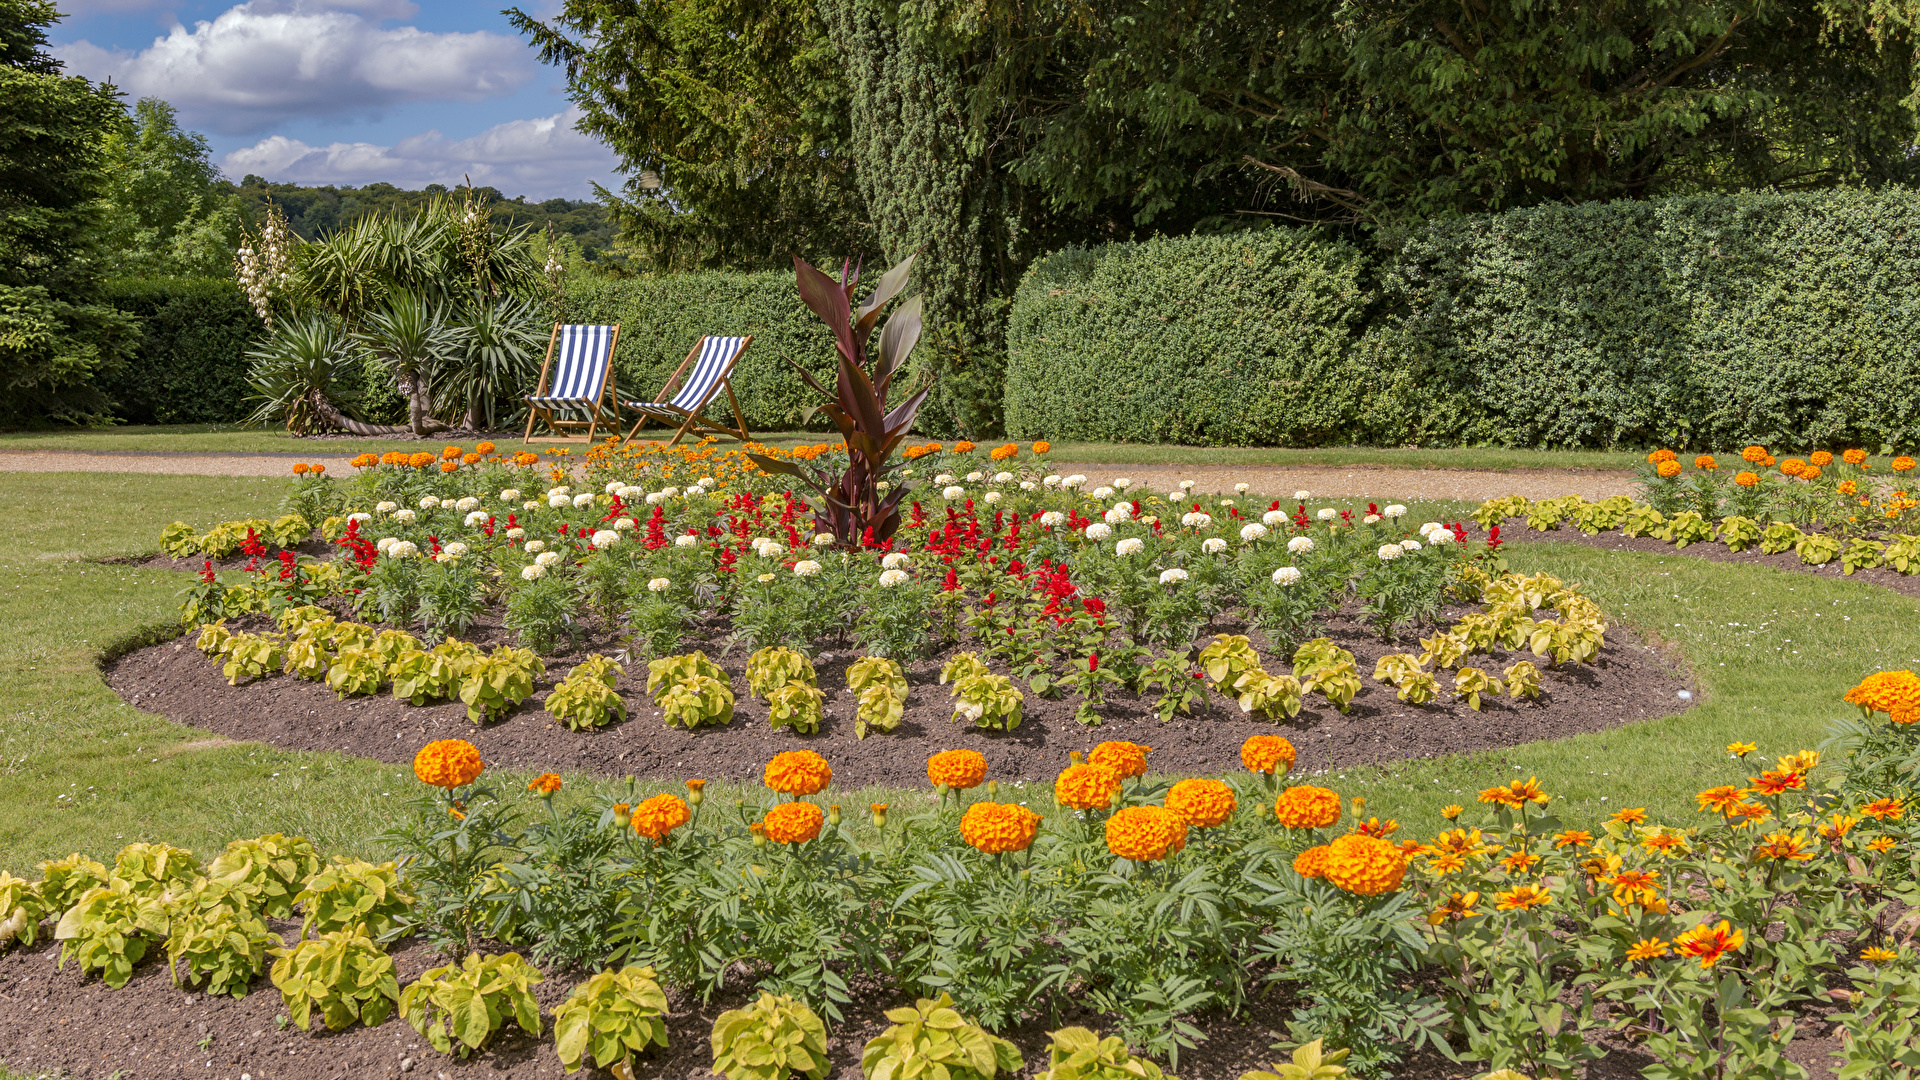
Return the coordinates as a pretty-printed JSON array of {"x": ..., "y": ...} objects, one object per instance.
[{"x": 1347, "y": 482}]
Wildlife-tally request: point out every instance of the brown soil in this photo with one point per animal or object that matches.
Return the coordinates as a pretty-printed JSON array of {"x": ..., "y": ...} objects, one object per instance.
[{"x": 1629, "y": 681}]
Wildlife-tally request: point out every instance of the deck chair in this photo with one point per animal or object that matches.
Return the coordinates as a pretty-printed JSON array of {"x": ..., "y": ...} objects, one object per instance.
[
  {"x": 577, "y": 378},
  {"x": 712, "y": 361}
]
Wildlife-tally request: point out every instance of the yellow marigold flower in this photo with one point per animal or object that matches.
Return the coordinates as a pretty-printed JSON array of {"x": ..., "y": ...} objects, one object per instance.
[
  {"x": 1516, "y": 794},
  {"x": 1647, "y": 949},
  {"x": 798, "y": 772},
  {"x": 996, "y": 828},
  {"x": 1145, "y": 833},
  {"x": 1881, "y": 843},
  {"x": 1364, "y": 865},
  {"x": 794, "y": 822},
  {"x": 1878, "y": 955},
  {"x": 1464, "y": 842},
  {"x": 1709, "y": 945},
  {"x": 1307, "y": 807},
  {"x": 1126, "y": 759},
  {"x": 1791, "y": 847},
  {"x": 448, "y": 763},
  {"x": 421, "y": 460},
  {"x": 1837, "y": 826},
  {"x": 879, "y": 814},
  {"x": 1445, "y": 863},
  {"x": 1903, "y": 463},
  {"x": 1820, "y": 458},
  {"x": 1522, "y": 898},
  {"x": 656, "y": 817},
  {"x": 1086, "y": 787},
  {"x": 1267, "y": 754},
  {"x": 1042, "y": 446},
  {"x": 1668, "y": 469},
  {"x": 1705, "y": 462},
  {"x": 957, "y": 769},
  {"x": 1455, "y": 907},
  {"x": 1886, "y": 691},
  {"x": 1632, "y": 815},
  {"x": 1311, "y": 863},
  {"x": 1519, "y": 862},
  {"x": 1747, "y": 479},
  {"x": 696, "y": 790},
  {"x": 1753, "y": 455},
  {"x": 545, "y": 784},
  {"x": 1720, "y": 799},
  {"x": 1201, "y": 803},
  {"x": 1452, "y": 811},
  {"x": 1885, "y": 809},
  {"x": 1740, "y": 749},
  {"x": 1572, "y": 838}
]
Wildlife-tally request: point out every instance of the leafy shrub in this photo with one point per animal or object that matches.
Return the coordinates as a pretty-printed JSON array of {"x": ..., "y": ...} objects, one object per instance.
[
  {"x": 63, "y": 881},
  {"x": 1078, "y": 1054},
  {"x": 252, "y": 656},
  {"x": 932, "y": 1038},
  {"x": 307, "y": 658},
  {"x": 1686, "y": 527},
  {"x": 491, "y": 686},
  {"x": 771, "y": 1039},
  {"x": 1311, "y": 1062},
  {"x": 1324, "y": 668},
  {"x": 697, "y": 700},
  {"x": 220, "y": 945},
  {"x": 419, "y": 676},
  {"x": 108, "y": 930},
  {"x": 191, "y": 366},
  {"x": 775, "y": 666},
  {"x": 668, "y": 670},
  {"x": 470, "y": 1001},
  {"x": 1522, "y": 680},
  {"x": 356, "y": 672},
  {"x": 797, "y": 706},
  {"x": 610, "y": 1017},
  {"x": 343, "y": 974},
  {"x": 586, "y": 697},
  {"x": 275, "y": 868},
  {"x": 353, "y": 895},
  {"x": 882, "y": 689},
  {"x": 1227, "y": 660},
  {"x": 1817, "y": 549},
  {"x": 1405, "y": 672},
  {"x": 21, "y": 910},
  {"x": 1470, "y": 682},
  {"x": 150, "y": 871},
  {"x": 1739, "y": 533},
  {"x": 988, "y": 701},
  {"x": 179, "y": 541}
]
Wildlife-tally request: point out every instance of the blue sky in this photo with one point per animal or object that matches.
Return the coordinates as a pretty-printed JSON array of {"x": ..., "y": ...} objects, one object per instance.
[{"x": 348, "y": 91}]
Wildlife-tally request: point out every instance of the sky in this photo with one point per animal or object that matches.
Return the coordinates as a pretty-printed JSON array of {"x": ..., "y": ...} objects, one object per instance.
[{"x": 348, "y": 91}]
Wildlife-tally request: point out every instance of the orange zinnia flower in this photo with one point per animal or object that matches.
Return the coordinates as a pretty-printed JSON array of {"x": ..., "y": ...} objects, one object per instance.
[
  {"x": 1777, "y": 781},
  {"x": 1709, "y": 945},
  {"x": 1632, "y": 815},
  {"x": 1783, "y": 846},
  {"x": 1885, "y": 809},
  {"x": 1522, "y": 898},
  {"x": 1572, "y": 838},
  {"x": 1720, "y": 799}
]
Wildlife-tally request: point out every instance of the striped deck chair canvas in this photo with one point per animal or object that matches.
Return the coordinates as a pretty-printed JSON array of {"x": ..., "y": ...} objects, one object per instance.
[
  {"x": 575, "y": 383},
  {"x": 711, "y": 361}
]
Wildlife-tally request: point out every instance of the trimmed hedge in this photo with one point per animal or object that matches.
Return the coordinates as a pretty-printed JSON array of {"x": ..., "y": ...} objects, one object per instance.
[
  {"x": 661, "y": 319},
  {"x": 190, "y": 366},
  {"x": 1219, "y": 340}
]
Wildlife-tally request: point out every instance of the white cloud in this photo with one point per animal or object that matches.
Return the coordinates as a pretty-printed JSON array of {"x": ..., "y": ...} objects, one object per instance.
[
  {"x": 543, "y": 158},
  {"x": 268, "y": 60}
]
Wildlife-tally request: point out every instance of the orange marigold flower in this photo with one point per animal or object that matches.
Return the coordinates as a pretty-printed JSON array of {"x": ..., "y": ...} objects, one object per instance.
[
  {"x": 526, "y": 457},
  {"x": 1747, "y": 479},
  {"x": 1705, "y": 462},
  {"x": 1307, "y": 807},
  {"x": 448, "y": 763},
  {"x": 1791, "y": 847},
  {"x": 318, "y": 469},
  {"x": 1632, "y": 815},
  {"x": 1572, "y": 838},
  {"x": 1881, "y": 843},
  {"x": 299, "y": 468},
  {"x": 545, "y": 784},
  {"x": 1848, "y": 487},
  {"x": 365, "y": 461},
  {"x": 1668, "y": 469},
  {"x": 1086, "y": 787},
  {"x": 794, "y": 822},
  {"x": 1753, "y": 455},
  {"x": 1886, "y": 691},
  {"x": 1647, "y": 949},
  {"x": 1885, "y": 809},
  {"x": 1364, "y": 865},
  {"x": 1455, "y": 907},
  {"x": 483, "y": 448},
  {"x": 1659, "y": 456},
  {"x": 470, "y": 459},
  {"x": 996, "y": 828},
  {"x": 1311, "y": 863},
  {"x": 421, "y": 460},
  {"x": 1821, "y": 458},
  {"x": 1145, "y": 833},
  {"x": 1267, "y": 754},
  {"x": 449, "y": 466},
  {"x": 1373, "y": 826},
  {"x": 1903, "y": 463},
  {"x": 1854, "y": 456},
  {"x": 395, "y": 457},
  {"x": 963, "y": 447},
  {"x": 450, "y": 453},
  {"x": 1720, "y": 799},
  {"x": 1519, "y": 862},
  {"x": 957, "y": 769},
  {"x": 1811, "y": 472},
  {"x": 1042, "y": 446},
  {"x": 1792, "y": 466},
  {"x": 1126, "y": 759},
  {"x": 1002, "y": 453},
  {"x": 1778, "y": 781},
  {"x": 1201, "y": 803},
  {"x": 1522, "y": 898},
  {"x": 1767, "y": 462},
  {"x": 914, "y": 453},
  {"x": 798, "y": 772},
  {"x": 656, "y": 817},
  {"x": 1708, "y": 945}
]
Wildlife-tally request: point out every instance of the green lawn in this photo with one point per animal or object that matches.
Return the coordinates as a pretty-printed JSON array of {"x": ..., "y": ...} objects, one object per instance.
[
  {"x": 83, "y": 771},
  {"x": 229, "y": 439}
]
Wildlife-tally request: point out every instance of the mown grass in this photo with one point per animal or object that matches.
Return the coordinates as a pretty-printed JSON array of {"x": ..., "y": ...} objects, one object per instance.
[{"x": 84, "y": 771}]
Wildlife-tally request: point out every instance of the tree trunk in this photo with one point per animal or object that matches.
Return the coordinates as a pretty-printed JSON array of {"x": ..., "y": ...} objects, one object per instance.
[
  {"x": 331, "y": 417},
  {"x": 420, "y": 418}
]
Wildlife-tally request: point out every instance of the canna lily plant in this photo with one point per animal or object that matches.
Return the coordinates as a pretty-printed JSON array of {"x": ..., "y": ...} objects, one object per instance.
[{"x": 854, "y": 508}]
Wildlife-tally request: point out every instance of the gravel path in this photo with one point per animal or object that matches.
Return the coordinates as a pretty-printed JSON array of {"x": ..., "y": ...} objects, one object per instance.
[{"x": 1348, "y": 482}]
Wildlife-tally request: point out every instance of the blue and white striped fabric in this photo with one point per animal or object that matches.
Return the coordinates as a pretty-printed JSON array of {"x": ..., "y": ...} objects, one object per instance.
[
  {"x": 580, "y": 366},
  {"x": 708, "y": 369}
]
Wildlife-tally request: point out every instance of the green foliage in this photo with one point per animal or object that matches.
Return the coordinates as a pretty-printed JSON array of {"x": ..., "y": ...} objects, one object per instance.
[
  {"x": 166, "y": 216},
  {"x": 189, "y": 363},
  {"x": 307, "y": 658},
  {"x": 1325, "y": 668},
  {"x": 219, "y": 945},
  {"x": 343, "y": 974},
  {"x": 470, "y": 1001},
  {"x": 356, "y": 672},
  {"x": 419, "y": 676},
  {"x": 797, "y": 706},
  {"x": 1470, "y": 682},
  {"x": 987, "y": 700},
  {"x": 492, "y": 685},
  {"x": 882, "y": 688},
  {"x": 109, "y": 929},
  {"x": 1403, "y": 671},
  {"x": 775, "y": 666},
  {"x": 1643, "y": 520},
  {"x": 1739, "y": 533},
  {"x": 1310, "y": 1062},
  {"x": 610, "y": 1017},
  {"x": 667, "y": 670},
  {"x": 1228, "y": 661},
  {"x": 1903, "y": 553},
  {"x": 63, "y": 881},
  {"x": 22, "y": 907},
  {"x": 152, "y": 871},
  {"x": 252, "y": 656},
  {"x": 1817, "y": 549},
  {"x": 275, "y": 869},
  {"x": 1078, "y": 1054},
  {"x": 933, "y": 1040},
  {"x": 586, "y": 698},
  {"x": 696, "y": 700},
  {"x": 353, "y": 895},
  {"x": 773, "y": 1038},
  {"x": 1522, "y": 680},
  {"x": 1686, "y": 527}
]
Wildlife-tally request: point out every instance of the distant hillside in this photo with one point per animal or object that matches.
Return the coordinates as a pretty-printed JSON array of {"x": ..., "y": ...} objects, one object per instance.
[{"x": 316, "y": 211}]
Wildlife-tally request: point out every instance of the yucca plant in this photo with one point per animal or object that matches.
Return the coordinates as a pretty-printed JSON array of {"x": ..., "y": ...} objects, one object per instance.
[{"x": 854, "y": 509}]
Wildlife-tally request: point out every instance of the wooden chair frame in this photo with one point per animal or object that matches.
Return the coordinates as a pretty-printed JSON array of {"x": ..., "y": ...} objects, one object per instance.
[
  {"x": 595, "y": 417},
  {"x": 694, "y": 422}
]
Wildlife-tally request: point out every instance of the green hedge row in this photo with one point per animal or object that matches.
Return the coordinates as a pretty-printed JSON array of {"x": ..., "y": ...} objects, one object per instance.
[{"x": 190, "y": 367}]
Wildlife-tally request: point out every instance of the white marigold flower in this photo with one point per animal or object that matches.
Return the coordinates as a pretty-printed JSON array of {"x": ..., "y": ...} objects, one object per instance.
[
  {"x": 709, "y": 482},
  {"x": 1213, "y": 545},
  {"x": 566, "y": 491},
  {"x": 1440, "y": 538},
  {"x": 387, "y": 506},
  {"x": 1196, "y": 520},
  {"x": 1149, "y": 520},
  {"x": 516, "y": 533},
  {"x": 1411, "y": 544},
  {"x": 669, "y": 492},
  {"x": 1273, "y": 517},
  {"x": 806, "y": 568},
  {"x": 509, "y": 494},
  {"x": 892, "y": 578},
  {"x": 1003, "y": 478},
  {"x": 1053, "y": 519},
  {"x": 385, "y": 543},
  {"x": 1300, "y": 545},
  {"x": 362, "y": 516},
  {"x": 1028, "y": 485},
  {"x": 535, "y": 545},
  {"x": 1123, "y": 483},
  {"x": 1172, "y": 577},
  {"x": 1431, "y": 526},
  {"x": 943, "y": 479},
  {"x": 530, "y": 504},
  {"x": 1074, "y": 481},
  {"x": 1052, "y": 481},
  {"x": 1097, "y": 532},
  {"x": 605, "y": 538},
  {"x": 630, "y": 493},
  {"x": 953, "y": 493},
  {"x": 1241, "y": 489},
  {"x": 1121, "y": 511},
  {"x": 1302, "y": 496},
  {"x": 476, "y": 519},
  {"x": 1394, "y": 510},
  {"x": 403, "y": 549},
  {"x": 764, "y": 578},
  {"x": 1103, "y": 493},
  {"x": 883, "y": 486},
  {"x": 1227, "y": 502},
  {"x": 613, "y": 486},
  {"x": 1389, "y": 552},
  {"x": 994, "y": 497},
  {"x": 659, "y": 584},
  {"x": 1175, "y": 496},
  {"x": 686, "y": 541},
  {"x": 583, "y": 500},
  {"x": 976, "y": 476},
  {"x": 1253, "y": 531},
  {"x": 655, "y": 498},
  {"x": 770, "y": 550},
  {"x": 624, "y": 524},
  {"x": 1132, "y": 545},
  {"x": 1328, "y": 514},
  {"x": 454, "y": 550},
  {"x": 1186, "y": 485},
  {"x": 468, "y": 503},
  {"x": 559, "y": 502},
  {"x": 532, "y": 572},
  {"x": 1287, "y": 576},
  {"x": 1370, "y": 519},
  {"x": 547, "y": 558},
  {"x": 898, "y": 560},
  {"x": 822, "y": 539},
  {"x": 404, "y": 516},
  {"x": 428, "y": 502}
]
